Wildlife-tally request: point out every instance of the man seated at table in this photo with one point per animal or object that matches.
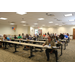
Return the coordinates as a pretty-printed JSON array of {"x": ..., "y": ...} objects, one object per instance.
[
  {"x": 19, "y": 37},
  {"x": 50, "y": 41},
  {"x": 61, "y": 36}
]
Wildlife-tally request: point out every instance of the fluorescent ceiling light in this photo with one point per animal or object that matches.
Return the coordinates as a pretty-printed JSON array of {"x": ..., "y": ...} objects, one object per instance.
[
  {"x": 60, "y": 25},
  {"x": 56, "y": 24},
  {"x": 3, "y": 18},
  {"x": 68, "y": 14},
  {"x": 43, "y": 25},
  {"x": 23, "y": 21},
  {"x": 24, "y": 25},
  {"x": 11, "y": 23},
  {"x": 21, "y": 13},
  {"x": 50, "y": 22},
  {"x": 71, "y": 20},
  {"x": 35, "y": 23},
  {"x": 40, "y": 18}
]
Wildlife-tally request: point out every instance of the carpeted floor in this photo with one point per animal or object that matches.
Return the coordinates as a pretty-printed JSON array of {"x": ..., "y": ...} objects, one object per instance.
[{"x": 22, "y": 56}]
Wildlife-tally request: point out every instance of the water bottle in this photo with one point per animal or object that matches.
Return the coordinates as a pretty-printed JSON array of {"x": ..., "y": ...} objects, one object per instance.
[
  {"x": 3, "y": 39},
  {"x": 19, "y": 41},
  {"x": 36, "y": 39},
  {"x": 49, "y": 44}
]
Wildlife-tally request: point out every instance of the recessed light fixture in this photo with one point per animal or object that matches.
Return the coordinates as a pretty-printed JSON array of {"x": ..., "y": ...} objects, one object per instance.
[
  {"x": 35, "y": 23},
  {"x": 21, "y": 13},
  {"x": 71, "y": 20},
  {"x": 40, "y": 18},
  {"x": 56, "y": 24},
  {"x": 60, "y": 25},
  {"x": 51, "y": 22},
  {"x": 43, "y": 25},
  {"x": 68, "y": 15},
  {"x": 23, "y": 21},
  {"x": 12, "y": 23},
  {"x": 24, "y": 25},
  {"x": 3, "y": 18}
]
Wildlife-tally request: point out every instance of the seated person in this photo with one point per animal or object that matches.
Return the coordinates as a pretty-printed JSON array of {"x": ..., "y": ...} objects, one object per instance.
[
  {"x": 53, "y": 38},
  {"x": 58, "y": 41},
  {"x": 30, "y": 37},
  {"x": 19, "y": 37},
  {"x": 23, "y": 36},
  {"x": 61, "y": 36},
  {"x": 68, "y": 36},
  {"x": 34, "y": 37},
  {"x": 15, "y": 37},
  {"x": 27, "y": 36},
  {"x": 46, "y": 36},
  {"x": 50, "y": 41},
  {"x": 4, "y": 39},
  {"x": 65, "y": 36}
]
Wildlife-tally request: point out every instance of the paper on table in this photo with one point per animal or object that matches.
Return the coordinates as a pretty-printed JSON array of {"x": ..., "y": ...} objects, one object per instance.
[
  {"x": 54, "y": 47},
  {"x": 47, "y": 46}
]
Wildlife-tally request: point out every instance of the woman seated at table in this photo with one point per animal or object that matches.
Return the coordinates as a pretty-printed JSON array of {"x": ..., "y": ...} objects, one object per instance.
[{"x": 50, "y": 41}]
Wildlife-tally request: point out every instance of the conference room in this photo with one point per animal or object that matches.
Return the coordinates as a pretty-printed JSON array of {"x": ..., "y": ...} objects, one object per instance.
[{"x": 37, "y": 36}]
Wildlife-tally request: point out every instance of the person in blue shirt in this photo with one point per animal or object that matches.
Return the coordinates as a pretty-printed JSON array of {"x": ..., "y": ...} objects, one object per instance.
[
  {"x": 65, "y": 36},
  {"x": 8, "y": 38}
]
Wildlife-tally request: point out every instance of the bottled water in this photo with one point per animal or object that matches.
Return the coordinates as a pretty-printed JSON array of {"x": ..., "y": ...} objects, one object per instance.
[
  {"x": 19, "y": 41},
  {"x": 36, "y": 39},
  {"x": 49, "y": 44}
]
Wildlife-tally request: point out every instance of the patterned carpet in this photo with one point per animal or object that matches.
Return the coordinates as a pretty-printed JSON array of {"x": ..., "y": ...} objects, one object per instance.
[{"x": 22, "y": 56}]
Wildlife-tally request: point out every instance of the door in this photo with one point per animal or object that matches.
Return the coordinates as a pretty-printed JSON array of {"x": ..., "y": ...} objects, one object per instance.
[
  {"x": 40, "y": 31},
  {"x": 73, "y": 33}
]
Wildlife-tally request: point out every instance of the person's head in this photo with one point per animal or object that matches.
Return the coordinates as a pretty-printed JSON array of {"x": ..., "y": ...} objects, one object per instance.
[
  {"x": 19, "y": 35},
  {"x": 49, "y": 38}
]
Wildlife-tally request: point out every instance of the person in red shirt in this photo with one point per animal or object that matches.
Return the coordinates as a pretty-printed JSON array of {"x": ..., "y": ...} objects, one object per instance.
[{"x": 44, "y": 35}]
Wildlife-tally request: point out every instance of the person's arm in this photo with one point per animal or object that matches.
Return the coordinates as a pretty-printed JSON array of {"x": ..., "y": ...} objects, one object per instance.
[{"x": 44, "y": 43}]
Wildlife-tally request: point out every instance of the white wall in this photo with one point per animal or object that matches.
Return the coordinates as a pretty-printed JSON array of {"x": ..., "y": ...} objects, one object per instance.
[
  {"x": 7, "y": 29},
  {"x": 23, "y": 29},
  {"x": 58, "y": 30}
]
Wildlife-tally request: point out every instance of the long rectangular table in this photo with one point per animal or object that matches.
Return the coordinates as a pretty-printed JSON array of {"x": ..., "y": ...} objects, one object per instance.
[
  {"x": 28, "y": 44},
  {"x": 29, "y": 41},
  {"x": 37, "y": 42}
]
